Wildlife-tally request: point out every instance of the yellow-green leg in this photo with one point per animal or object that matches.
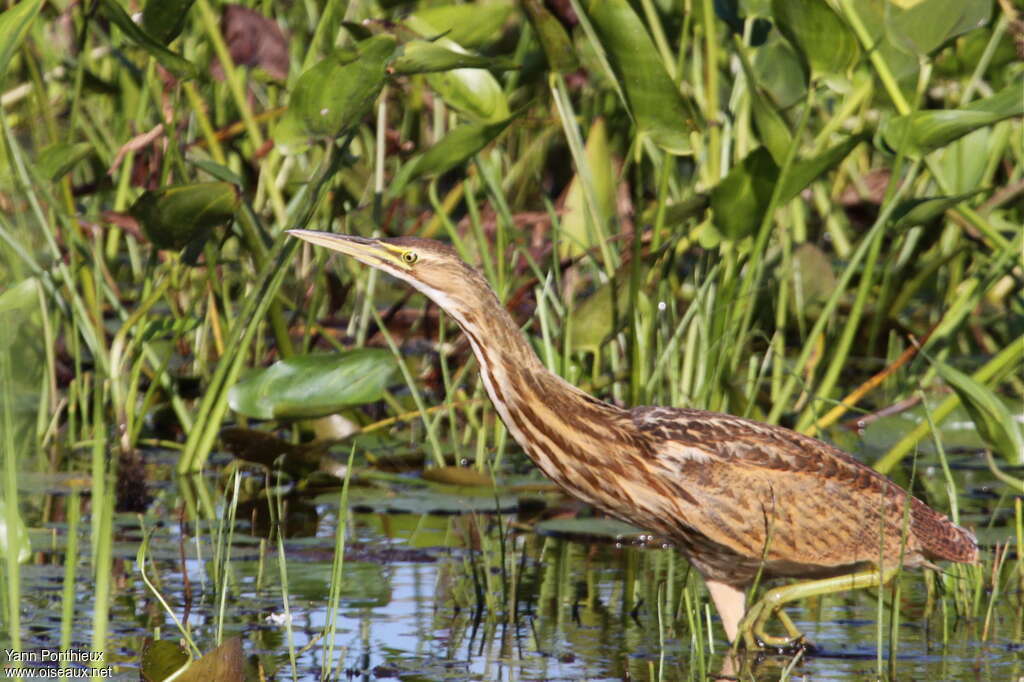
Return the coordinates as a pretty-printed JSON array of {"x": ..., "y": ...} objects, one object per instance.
[{"x": 752, "y": 629}]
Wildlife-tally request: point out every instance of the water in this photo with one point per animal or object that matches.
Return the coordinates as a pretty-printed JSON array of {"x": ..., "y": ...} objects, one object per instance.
[{"x": 440, "y": 597}]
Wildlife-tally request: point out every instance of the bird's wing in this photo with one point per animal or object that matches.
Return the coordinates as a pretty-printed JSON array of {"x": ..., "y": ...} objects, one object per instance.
[{"x": 752, "y": 486}]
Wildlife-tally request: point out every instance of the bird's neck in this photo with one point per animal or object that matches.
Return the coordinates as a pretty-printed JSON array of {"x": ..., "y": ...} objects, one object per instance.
[{"x": 556, "y": 423}]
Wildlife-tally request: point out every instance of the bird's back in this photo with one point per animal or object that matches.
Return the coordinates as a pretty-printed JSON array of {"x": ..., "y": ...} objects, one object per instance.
[{"x": 744, "y": 490}]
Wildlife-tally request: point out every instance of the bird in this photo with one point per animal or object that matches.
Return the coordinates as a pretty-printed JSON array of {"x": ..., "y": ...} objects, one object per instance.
[{"x": 740, "y": 499}]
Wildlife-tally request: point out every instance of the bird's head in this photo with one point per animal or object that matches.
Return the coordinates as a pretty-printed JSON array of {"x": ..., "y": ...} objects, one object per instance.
[{"x": 430, "y": 266}]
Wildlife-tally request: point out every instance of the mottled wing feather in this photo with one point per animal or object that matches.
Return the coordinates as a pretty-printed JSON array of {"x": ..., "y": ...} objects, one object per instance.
[{"x": 738, "y": 483}]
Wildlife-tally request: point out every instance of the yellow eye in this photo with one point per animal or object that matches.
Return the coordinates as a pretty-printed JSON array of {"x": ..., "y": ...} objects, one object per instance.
[{"x": 410, "y": 257}]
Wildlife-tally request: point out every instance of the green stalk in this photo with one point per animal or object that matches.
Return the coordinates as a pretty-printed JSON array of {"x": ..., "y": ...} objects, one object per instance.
[{"x": 1007, "y": 360}]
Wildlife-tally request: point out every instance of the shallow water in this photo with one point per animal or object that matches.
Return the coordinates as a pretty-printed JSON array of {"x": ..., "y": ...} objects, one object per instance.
[{"x": 414, "y": 601}]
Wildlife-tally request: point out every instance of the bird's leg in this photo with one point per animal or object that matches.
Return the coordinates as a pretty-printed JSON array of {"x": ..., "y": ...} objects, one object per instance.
[
  {"x": 753, "y": 626},
  {"x": 729, "y": 602}
]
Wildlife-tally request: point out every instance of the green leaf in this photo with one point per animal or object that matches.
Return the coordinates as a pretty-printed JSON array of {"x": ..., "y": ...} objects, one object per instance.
[
  {"x": 173, "y": 62},
  {"x": 457, "y": 146},
  {"x": 475, "y": 93},
  {"x": 996, "y": 425},
  {"x": 592, "y": 530},
  {"x": 333, "y": 96},
  {"x": 307, "y": 386},
  {"x": 772, "y": 128},
  {"x": 175, "y": 216},
  {"x": 921, "y": 27},
  {"x": 779, "y": 71},
  {"x": 577, "y": 234},
  {"x": 462, "y": 477},
  {"x": 472, "y": 25},
  {"x": 421, "y": 56},
  {"x": 552, "y": 37},
  {"x": 921, "y": 132},
  {"x": 165, "y": 19},
  {"x": 14, "y": 25},
  {"x": 160, "y": 659},
  {"x": 740, "y": 199},
  {"x": 805, "y": 171},
  {"x": 55, "y": 161},
  {"x": 826, "y": 43},
  {"x": 660, "y": 110},
  {"x": 925, "y": 209}
]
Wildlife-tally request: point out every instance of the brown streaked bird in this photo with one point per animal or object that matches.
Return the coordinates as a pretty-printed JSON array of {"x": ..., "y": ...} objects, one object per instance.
[{"x": 736, "y": 496}]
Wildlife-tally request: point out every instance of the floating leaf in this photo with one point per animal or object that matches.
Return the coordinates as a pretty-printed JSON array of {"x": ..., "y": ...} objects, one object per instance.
[
  {"x": 57, "y": 160},
  {"x": 921, "y": 27},
  {"x": 552, "y": 37},
  {"x": 173, "y": 62},
  {"x": 921, "y": 132},
  {"x": 14, "y": 25},
  {"x": 925, "y": 209},
  {"x": 996, "y": 425},
  {"x": 660, "y": 110},
  {"x": 173, "y": 217},
  {"x": 459, "y": 476},
  {"x": 160, "y": 659},
  {"x": 457, "y": 146},
  {"x": 592, "y": 530},
  {"x": 827, "y": 44},
  {"x": 333, "y": 96},
  {"x": 421, "y": 56},
  {"x": 305, "y": 386},
  {"x": 740, "y": 199},
  {"x": 165, "y": 19}
]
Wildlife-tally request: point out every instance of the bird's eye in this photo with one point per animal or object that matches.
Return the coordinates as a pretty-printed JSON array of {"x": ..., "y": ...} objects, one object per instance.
[{"x": 410, "y": 257}]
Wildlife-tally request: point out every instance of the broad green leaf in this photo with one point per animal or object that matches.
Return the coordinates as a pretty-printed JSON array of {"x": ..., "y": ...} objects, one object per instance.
[
  {"x": 333, "y": 96},
  {"x": 921, "y": 132},
  {"x": 922, "y": 26},
  {"x": 55, "y": 161},
  {"x": 600, "y": 315},
  {"x": 173, "y": 62},
  {"x": 553, "y": 39},
  {"x": 922, "y": 210},
  {"x": 173, "y": 217},
  {"x": 576, "y": 233},
  {"x": 813, "y": 278},
  {"x": 421, "y": 56},
  {"x": 779, "y": 71},
  {"x": 456, "y": 147},
  {"x": 772, "y": 128},
  {"x": 472, "y": 25},
  {"x": 872, "y": 14},
  {"x": 740, "y": 199},
  {"x": 14, "y": 25},
  {"x": 659, "y": 109},
  {"x": 22, "y": 295},
  {"x": 475, "y": 93},
  {"x": 165, "y": 19},
  {"x": 160, "y": 659},
  {"x": 306, "y": 386},
  {"x": 995, "y": 424},
  {"x": 827, "y": 44},
  {"x": 805, "y": 171}
]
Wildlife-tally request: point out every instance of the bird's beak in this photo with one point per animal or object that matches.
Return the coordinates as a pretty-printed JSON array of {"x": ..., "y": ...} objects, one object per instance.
[{"x": 372, "y": 252}]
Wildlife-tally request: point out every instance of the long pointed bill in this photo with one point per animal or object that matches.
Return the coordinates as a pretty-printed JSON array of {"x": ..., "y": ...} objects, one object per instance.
[{"x": 372, "y": 252}]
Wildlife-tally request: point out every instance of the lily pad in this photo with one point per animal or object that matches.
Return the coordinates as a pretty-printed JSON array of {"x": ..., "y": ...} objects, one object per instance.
[
  {"x": 307, "y": 386},
  {"x": 593, "y": 530}
]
